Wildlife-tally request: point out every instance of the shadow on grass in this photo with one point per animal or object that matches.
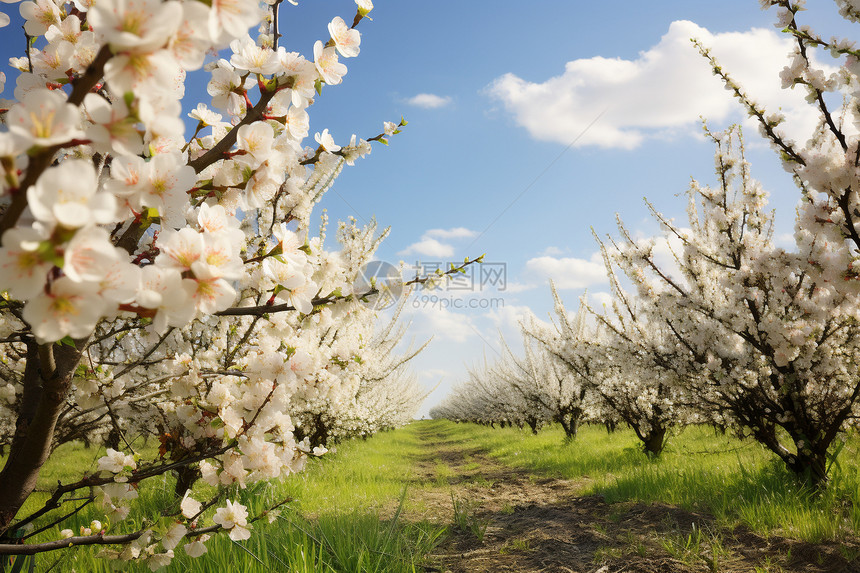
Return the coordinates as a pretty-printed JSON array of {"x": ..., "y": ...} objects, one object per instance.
[
  {"x": 586, "y": 533},
  {"x": 737, "y": 481}
]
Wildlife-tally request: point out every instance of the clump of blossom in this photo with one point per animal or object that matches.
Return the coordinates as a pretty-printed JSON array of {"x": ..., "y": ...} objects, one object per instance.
[{"x": 170, "y": 285}]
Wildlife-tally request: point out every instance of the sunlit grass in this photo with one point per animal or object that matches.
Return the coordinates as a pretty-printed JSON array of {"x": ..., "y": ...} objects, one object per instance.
[
  {"x": 342, "y": 518},
  {"x": 700, "y": 470}
]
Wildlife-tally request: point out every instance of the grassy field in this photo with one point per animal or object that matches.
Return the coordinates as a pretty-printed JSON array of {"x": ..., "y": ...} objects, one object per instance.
[
  {"x": 333, "y": 524},
  {"x": 345, "y": 515},
  {"x": 738, "y": 482}
]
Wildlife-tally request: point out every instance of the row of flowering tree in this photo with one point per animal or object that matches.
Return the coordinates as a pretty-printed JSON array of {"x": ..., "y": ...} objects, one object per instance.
[
  {"x": 574, "y": 372},
  {"x": 154, "y": 284},
  {"x": 734, "y": 330},
  {"x": 531, "y": 390}
]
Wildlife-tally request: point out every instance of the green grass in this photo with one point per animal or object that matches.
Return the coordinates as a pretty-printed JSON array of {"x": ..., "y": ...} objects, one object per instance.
[
  {"x": 736, "y": 481},
  {"x": 345, "y": 515},
  {"x": 466, "y": 517},
  {"x": 361, "y": 474},
  {"x": 696, "y": 547},
  {"x": 443, "y": 473}
]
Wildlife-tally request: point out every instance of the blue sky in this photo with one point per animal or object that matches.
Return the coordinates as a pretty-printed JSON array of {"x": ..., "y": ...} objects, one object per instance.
[
  {"x": 463, "y": 164},
  {"x": 491, "y": 168}
]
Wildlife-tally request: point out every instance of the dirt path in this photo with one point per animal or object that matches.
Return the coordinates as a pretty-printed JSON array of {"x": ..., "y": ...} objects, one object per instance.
[{"x": 509, "y": 520}]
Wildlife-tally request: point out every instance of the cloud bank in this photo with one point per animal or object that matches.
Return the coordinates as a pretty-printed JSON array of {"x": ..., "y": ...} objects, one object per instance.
[
  {"x": 432, "y": 245},
  {"x": 429, "y": 101},
  {"x": 568, "y": 272},
  {"x": 663, "y": 91}
]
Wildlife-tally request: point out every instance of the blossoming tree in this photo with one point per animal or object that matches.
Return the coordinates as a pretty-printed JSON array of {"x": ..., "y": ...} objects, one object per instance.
[
  {"x": 533, "y": 389},
  {"x": 555, "y": 391},
  {"x": 153, "y": 280},
  {"x": 771, "y": 350},
  {"x": 622, "y": 361},
  {"x": 825, "y": 164},
  {"x": 825, "y": 169},
  {"x": 483, "y": 398}
]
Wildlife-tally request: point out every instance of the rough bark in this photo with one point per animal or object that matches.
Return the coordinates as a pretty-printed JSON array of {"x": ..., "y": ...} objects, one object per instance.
[
  {"x": 654, "y": 441},
  {"x": 570, "y": 423},
  {"x": 185, "y": 478},
  {"x": 47, "y": 379}
]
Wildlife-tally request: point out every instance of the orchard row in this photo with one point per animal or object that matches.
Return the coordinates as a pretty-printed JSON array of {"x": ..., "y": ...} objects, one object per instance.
[{"x": 724, "y": 327}]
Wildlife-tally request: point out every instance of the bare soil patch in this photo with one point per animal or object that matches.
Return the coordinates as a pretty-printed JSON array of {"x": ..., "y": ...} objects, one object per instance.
[{"x": 514, "y": 521}]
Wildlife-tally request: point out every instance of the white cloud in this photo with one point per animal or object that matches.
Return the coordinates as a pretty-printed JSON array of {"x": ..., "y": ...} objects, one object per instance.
[
  {"x": 507, "y": 320},
  {"x": 785, "y": 240},
  {"x": 515, "y": 287},
  {"x": 597, "y": 300},
  {"x": 433, "y": 374},
  {"x": 428, "y": 247},
  {"x": 431, "y": 244},
  {"x": 455, "y": 233},
  {"x": 440, "y": 323},
  {"x": 552, "y": 251},
  {"x": 429, "y": 101},
  {"x": 568, "y": 272},
  {"x": 667, "y": 88}
]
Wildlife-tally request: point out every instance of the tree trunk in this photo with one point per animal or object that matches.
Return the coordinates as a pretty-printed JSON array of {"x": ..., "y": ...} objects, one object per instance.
[
  {"x": 47, "y": 379},
  {"x": 571, "y": 426},
  {"x": 653, "y": 441},
  {"x": 810, "y": 462},
  {"x": 113, "y": 439},
  {"x": 319, "y": 436},
  {"x": 185, "y": 478},
  {"x": 810, "y": 465}
]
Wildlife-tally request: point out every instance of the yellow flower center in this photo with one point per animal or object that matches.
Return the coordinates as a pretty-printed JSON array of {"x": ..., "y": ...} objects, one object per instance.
[
  {"x": 43, "y": 125},
  {"x": 64, "y": 305}
]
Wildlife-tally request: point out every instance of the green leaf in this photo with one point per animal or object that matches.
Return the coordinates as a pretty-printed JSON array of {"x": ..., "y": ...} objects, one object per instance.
[{"x": 66, "y": 341}]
